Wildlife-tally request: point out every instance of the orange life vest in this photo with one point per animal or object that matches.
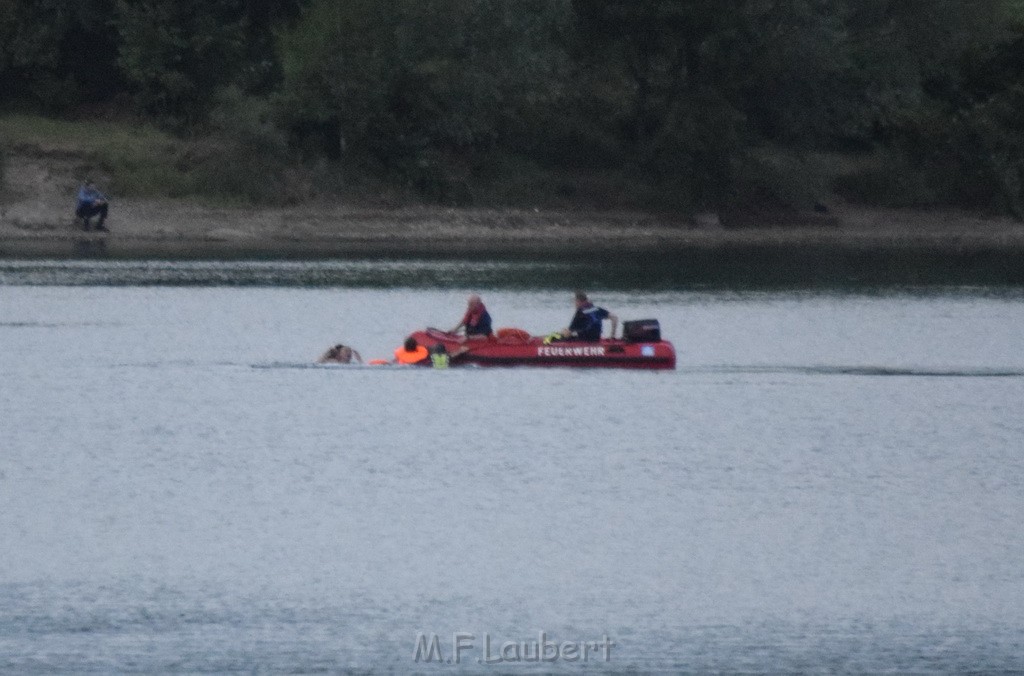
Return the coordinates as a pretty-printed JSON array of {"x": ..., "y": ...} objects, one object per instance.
[{"x": 417, "y": 355}]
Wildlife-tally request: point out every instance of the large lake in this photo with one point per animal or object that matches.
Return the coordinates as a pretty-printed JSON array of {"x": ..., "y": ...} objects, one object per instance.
[{"x": 829, "y": 481}]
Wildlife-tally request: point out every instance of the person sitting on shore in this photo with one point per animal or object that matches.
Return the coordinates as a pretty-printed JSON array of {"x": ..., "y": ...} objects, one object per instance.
[
  {"x": 339, "y": 354},
  {"x": 476, "y": 321},
  {"x": 91, "y": 202},
  {"x": 586, "y": 324},
  {"x": 411, "y": 353}
]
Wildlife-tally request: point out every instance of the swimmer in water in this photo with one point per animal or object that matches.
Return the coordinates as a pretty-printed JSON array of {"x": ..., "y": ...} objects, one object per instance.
[{"x": 339, "y": 354}]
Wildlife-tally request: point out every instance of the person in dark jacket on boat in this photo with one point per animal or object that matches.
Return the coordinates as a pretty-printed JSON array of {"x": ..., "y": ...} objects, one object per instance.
[
  {"x": 91, "y": 202},
  {"x": 586, "y": 324},
  {"x": 477, "y": 321}
]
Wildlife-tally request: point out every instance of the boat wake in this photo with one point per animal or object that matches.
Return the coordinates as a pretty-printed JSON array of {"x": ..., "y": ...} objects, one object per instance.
[
  {"x": 860, "y": 370},
  {"x": 751, "y": 369},
  {"x": 274, "y": 365},
  {"x": 55, "y": 325}
]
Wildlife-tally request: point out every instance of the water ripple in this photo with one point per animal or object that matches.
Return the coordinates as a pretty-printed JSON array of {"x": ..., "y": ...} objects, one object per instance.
[{"x": 858, "y": 370}]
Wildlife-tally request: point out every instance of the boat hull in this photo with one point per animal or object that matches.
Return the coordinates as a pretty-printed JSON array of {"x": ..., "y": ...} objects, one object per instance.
[{"x": 516, "y": 351}]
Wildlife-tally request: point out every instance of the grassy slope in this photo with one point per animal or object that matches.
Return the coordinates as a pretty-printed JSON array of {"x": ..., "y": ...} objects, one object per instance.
[{"x": 140, "y": 160}]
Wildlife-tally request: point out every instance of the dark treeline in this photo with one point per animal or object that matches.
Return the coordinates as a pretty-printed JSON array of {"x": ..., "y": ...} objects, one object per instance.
[{"x": 691, "y": 104}]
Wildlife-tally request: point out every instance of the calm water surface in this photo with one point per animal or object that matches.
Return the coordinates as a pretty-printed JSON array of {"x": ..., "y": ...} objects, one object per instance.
[{"x": 828, "y": 481}]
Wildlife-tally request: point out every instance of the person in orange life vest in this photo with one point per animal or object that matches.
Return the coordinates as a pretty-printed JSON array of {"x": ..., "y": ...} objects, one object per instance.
[
  {"x": 477, "y": 321},
  {"x": 411, "y": 353}
]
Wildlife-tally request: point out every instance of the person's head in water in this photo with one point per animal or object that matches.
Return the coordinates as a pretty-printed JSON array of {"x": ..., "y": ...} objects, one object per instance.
[
  {"x": 411, "y": 344},
  {"x": 339, "y": 354}
]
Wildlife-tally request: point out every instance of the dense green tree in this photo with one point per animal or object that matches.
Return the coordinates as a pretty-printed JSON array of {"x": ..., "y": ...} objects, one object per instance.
[
  {"x": 899, "y": 47},
  {"x": 693, "y": 85},
  {"x": 967, "y": 135},
  {"x": 669, "y": 50},
  {"x": 177, "y": 53},
  {"x": 701, "y": 82},
  {"x": 262, "y": 20},
  {"x": 795, "y": 71},
  {"x": 686, "y": 96},
  {"x": 57, "y": 53},
  {"x": 402, "y": 80}
]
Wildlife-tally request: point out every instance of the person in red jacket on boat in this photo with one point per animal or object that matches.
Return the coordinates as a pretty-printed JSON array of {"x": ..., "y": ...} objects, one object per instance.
[
  {"x": 477, "y": 321},
  {"x": 586, "y": 324}
]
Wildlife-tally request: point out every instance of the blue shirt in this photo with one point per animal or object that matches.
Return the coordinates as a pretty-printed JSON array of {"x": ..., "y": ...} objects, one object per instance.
[
  {"x": 586, "y": 323},
  {"x": 87, "y": 195}
]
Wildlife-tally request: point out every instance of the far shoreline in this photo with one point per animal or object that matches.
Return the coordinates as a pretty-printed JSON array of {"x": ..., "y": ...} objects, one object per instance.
[
  {"x": 768, "y": 244},
  {"x": 184, "y": 230},
  {"x": 856, "y": 247},
  {"x": 841, "y": 241}
]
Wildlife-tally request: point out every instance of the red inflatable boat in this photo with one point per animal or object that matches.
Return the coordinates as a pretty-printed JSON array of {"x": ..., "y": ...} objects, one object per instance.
[{"x": 515, "y": 347}]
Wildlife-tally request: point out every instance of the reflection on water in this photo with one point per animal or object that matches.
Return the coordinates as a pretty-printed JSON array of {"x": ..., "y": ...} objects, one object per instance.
[
  {"x": 754, "y": 269},
  {"x": 810, "y": 370},
  {"x": 866, "y": 370},
  {"x": 343, "y": 273},
  {"x": 89, "y": 247}
]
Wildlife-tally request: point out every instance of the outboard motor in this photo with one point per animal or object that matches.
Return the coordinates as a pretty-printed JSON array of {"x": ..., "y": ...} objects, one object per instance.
[{"x": 641, "y": 331}]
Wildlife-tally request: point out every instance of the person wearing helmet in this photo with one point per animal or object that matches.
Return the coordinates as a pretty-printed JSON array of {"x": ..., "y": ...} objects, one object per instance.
[{"x": 439, "y": 357}]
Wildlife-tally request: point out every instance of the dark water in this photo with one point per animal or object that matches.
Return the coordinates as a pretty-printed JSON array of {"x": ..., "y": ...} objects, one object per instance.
[
  {"x": 828, "y": 482},
  {"x": 742, "y": 268}
]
